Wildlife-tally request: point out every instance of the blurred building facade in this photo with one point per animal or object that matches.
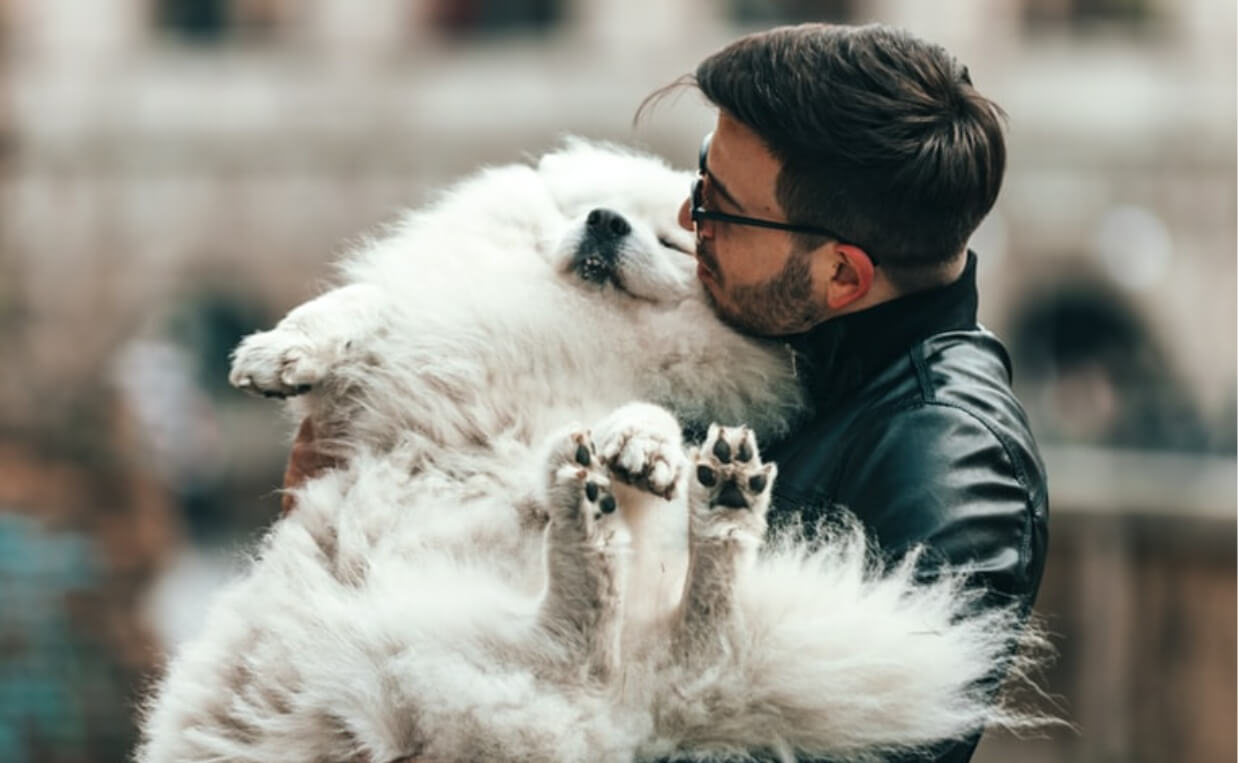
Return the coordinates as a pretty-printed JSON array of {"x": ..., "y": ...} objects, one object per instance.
[{"x": 174, "y": 173}]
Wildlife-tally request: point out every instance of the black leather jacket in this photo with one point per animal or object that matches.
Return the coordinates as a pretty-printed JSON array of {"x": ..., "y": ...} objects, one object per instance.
[{"x": 916, "y": 431}]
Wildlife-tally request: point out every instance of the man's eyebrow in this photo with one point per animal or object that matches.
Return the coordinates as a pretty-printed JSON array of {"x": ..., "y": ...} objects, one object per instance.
[{"x": 722, "y": 189}]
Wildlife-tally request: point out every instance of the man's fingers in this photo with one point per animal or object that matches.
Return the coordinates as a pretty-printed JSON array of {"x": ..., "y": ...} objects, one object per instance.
[{"x": 305, "y": 462}]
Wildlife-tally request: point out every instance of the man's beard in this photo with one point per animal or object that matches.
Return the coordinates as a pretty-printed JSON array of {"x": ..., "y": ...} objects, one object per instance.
[{"x": 783, "y": 304}]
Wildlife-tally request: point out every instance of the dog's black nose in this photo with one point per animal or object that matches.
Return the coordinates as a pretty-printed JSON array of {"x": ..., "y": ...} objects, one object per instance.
[{"x": 607, "y": 224}]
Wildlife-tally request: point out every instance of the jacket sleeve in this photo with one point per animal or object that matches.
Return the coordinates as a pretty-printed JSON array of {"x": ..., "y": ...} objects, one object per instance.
[{"x": 937, "y": 476}]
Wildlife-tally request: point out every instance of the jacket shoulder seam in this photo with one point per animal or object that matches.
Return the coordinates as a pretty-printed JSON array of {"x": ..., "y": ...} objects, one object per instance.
[
  {"x": 1020, "y": 470},
  {"x": 920, "y": 364},
  {"x": 910, "y": 402},
  {"x": 1016, "y": 462}
]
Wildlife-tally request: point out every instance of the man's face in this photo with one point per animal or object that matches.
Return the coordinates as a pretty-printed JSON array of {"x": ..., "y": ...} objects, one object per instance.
[{"x": 756, "y": 277}]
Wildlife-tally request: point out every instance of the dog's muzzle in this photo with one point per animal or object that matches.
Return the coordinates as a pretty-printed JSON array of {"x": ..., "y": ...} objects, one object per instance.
[{"x": 597, "y": 258}]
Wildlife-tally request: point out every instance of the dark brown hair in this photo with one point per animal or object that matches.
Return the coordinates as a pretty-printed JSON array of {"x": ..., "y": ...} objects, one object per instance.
[{"x": 881, "y": 136}]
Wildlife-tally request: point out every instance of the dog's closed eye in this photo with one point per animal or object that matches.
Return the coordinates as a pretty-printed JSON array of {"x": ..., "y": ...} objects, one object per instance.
[{"x": 670, "y": 244}]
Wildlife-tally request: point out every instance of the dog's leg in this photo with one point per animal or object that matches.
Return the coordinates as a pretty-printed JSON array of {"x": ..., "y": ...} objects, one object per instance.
[
  {"x": 582, "y": 605},
  {"x": 309, "y": 342},
  {"x": 728, "y": 499},
  {"x": 642, "y": 445}
]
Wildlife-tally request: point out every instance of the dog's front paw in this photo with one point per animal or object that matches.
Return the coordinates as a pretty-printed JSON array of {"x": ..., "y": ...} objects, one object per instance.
[
  {"x": 642, "y": 445},
  {"x": 730, "y": 486},
  {"x": 279, "y": 363},
  {"x": 312, "y": 341}
]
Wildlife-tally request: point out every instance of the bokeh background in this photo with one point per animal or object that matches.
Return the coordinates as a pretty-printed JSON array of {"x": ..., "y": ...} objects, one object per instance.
[{"x": 177, "y": 173}]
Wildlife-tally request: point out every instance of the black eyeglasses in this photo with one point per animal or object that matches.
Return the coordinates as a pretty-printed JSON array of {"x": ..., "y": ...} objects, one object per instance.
[{"x": 699, "y": 212}]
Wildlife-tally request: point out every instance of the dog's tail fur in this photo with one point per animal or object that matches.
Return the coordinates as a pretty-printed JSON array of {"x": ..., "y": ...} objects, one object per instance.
[{"x": 846, "y": 658}]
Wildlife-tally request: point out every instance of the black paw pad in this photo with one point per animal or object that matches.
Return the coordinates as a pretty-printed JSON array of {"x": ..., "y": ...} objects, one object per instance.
[
  {"x": 591, "y": 491},
  {"x": 706, "y": 476},
  {"x": 730, "y": 497},
  {"x": 757, "y": 483},
  {"x": 582, "y": 456},
  {"x": 303, "y": 388},
  {"x": 272, "y": 393},
  {"x": 608, "y": 504},
  {"x": 745, "y": 452},
  {"x": 722, "y": 450}
]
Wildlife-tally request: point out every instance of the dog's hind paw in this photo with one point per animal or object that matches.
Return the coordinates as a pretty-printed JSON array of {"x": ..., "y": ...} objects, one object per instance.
[
  {"x": 730, "y": 486},
  {"x": 580, "y": 495}
]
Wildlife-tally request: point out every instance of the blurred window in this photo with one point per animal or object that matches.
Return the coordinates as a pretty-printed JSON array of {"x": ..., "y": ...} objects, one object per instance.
[
  {"x": 208, "y": 325},
  {"x": 1090, "y": 371},
  {"x": 1087, "y": 13},
  {"x": 468, "y": 18},
  {"x": 792, "y": 11},
  {"x": 211, "y": 21}
]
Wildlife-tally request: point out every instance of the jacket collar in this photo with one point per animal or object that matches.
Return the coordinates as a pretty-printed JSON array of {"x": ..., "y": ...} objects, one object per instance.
[{"x": 841, "y": 354}]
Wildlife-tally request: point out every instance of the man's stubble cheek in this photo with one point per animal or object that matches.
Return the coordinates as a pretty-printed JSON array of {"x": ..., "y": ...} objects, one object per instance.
[{"x": 783, "y": 304}]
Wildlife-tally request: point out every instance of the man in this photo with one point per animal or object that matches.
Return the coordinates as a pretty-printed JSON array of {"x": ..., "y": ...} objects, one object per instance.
[{"x": 846, "y": 172}]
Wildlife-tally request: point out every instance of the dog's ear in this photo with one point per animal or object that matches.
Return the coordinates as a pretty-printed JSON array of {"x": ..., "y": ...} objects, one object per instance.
[
  {"x": 554, "y": 162},
  {"x": 550, "y": 164},
  {"x": 570, "y": 170}
]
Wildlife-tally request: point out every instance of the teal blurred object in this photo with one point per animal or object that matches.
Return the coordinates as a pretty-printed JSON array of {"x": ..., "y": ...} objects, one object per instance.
[{"x": 61, "y": 694}]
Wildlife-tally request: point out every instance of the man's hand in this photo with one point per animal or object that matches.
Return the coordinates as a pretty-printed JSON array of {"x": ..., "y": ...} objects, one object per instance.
[{"x": 304, "y": 463}]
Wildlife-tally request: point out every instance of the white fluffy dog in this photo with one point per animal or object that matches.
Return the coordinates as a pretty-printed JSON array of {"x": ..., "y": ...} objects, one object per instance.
[{"x": 520, "y": 560}]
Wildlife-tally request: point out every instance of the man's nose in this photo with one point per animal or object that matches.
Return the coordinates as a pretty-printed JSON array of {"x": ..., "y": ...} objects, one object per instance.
[{"x": 685, "y": 215}]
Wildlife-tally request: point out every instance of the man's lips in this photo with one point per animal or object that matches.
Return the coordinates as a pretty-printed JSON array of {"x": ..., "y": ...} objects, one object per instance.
[{"x": 704, "y": 268}]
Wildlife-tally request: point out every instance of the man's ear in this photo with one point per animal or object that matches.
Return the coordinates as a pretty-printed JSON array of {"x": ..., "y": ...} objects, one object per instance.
[{"x": 851, "y": 276}]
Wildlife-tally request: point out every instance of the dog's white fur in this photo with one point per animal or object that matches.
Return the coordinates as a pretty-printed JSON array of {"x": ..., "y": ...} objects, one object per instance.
[{"x": 457, "y": 592}]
